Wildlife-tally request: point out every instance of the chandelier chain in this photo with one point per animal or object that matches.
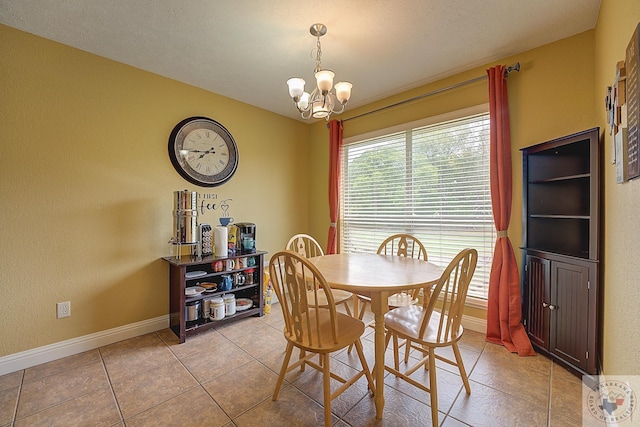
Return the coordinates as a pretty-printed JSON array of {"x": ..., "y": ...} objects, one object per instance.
[{"x": 318, "y": 55}]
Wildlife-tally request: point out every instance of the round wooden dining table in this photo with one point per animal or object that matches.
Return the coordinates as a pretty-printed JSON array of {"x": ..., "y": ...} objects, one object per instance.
[{"x": 377, "y": 276}]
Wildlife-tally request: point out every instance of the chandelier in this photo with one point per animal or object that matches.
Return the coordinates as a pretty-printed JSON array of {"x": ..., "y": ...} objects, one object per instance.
[{"x": 320, "y": 103}]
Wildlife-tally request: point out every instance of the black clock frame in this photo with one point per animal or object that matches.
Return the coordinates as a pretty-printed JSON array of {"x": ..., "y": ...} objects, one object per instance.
[{"x": 176, "y": 138}]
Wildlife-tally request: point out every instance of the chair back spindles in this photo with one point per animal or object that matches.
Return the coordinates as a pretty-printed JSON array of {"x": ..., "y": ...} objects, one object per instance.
[
  {"x": 403, "y": 245},
  {"x": 299, "y": 286},
  {"x": 451, "y": 293},
  {"x": 407, "y": 246},
  {"x": 308, "y": 247},
  {"x": 305, "y": 245}
]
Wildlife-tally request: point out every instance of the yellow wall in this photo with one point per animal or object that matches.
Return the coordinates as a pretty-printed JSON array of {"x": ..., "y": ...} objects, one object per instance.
[
  {"x": 86, "y": 187},
  {"x": 616, "y": 23}
]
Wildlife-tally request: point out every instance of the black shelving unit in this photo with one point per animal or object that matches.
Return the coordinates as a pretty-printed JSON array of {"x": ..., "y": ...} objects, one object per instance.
[
  {"x": 561, "y": 249},
  {"x": 178, "y": 282}
]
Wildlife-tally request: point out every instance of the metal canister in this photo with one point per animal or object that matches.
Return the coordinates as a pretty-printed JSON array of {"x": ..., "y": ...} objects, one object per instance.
[
  {"x": 185, "y": 216},
  {"x": 192, "y": 310}
]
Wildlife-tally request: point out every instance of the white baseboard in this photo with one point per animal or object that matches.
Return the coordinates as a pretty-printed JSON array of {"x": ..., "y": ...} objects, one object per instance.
[
  {"x": 26, "y": 359},
  {"x": 474, "y": 324}
]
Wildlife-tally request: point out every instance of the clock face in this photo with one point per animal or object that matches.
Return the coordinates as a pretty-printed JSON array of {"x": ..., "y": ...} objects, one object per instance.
[{"x": 203, "y": 151}]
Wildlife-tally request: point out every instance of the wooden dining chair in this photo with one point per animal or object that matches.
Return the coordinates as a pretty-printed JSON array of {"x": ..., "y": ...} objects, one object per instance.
[
  {"x": 426, "y": 328},
  {"x": 306, "y": 246},
  {"x": 311, "y": 327}
]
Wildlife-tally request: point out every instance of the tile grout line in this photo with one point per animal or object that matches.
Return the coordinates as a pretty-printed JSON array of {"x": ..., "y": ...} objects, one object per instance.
[
  {"x": 22, "y": 381},
  {"x": 201, "y": 385},
  {"x": 15, "y": 407},
  {"x": 113, "y": 392},
  {"x": 469, "y": 372},
  {"x": 549, "y": 395},
  {"x": 123, "y": 420}
]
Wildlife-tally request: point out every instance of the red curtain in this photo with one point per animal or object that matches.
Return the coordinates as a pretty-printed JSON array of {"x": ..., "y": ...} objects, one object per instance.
[
  {"x": 504, "y": 307},
  {"x": 335, "y": 149}
]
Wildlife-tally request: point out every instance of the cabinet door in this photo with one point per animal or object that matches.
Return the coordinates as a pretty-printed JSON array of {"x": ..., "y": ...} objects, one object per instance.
[
  {"x": 569, "y": 313},
  {"x": 537, "y": 288}
]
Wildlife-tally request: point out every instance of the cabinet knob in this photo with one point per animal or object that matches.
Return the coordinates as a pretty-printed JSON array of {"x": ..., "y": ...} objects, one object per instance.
[
  {"x": 552, "y": 307},
  {"x": 545, "y": 305}
]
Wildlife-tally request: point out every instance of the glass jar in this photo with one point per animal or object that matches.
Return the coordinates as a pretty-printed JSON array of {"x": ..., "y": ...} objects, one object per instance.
[{"x": 249, "y": 272}]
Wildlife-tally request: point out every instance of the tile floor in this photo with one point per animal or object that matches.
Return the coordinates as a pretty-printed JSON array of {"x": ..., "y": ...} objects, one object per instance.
[{"x": 226, "y": 376}]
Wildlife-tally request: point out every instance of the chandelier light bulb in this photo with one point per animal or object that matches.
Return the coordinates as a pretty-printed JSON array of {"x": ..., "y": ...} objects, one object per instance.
[
  {"x": 296, "y": 87},
  {"x": 303, "y": 103},
  {"x": 343, "y": 91},
  {"x": 320, "y": 109},
  {"x": 325, "y": 80}
]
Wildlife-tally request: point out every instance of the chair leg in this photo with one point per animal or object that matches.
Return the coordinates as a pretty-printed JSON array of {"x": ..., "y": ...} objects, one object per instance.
[
  {"x": 396, "y": 363},
  {"x": 426, "y": 366},
  {"x": 433, "y": 387},
  {"x": 407, "y": 350},
  {"x": 303, "y": 354},
  {"x": 463, "y": 372},
  {"x": 346, "y": 308},
  {"x": 326, "y": 377},
  {"x": 283, "y": 370},
  {"x": 365, "y": 366},
  {"x": 363, "y": 305}
]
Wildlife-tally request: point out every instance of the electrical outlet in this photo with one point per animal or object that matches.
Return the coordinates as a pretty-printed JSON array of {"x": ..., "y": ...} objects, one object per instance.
[{"x": 63, "y": 309}]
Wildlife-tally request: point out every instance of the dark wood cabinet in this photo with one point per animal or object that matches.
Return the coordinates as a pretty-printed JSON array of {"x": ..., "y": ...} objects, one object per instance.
[
  {"x": 561, "y": 235},
  {"x": 561, "y": 307},
  {"x": 189, "y": 271}
]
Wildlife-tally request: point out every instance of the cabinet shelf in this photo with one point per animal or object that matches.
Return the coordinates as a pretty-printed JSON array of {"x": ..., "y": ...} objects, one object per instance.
[
  {"x": 561, "y": 178},
  {"x": 560, "y": 216},
  {"x": 201, "y": 324},
  {"x": 209, "y": 295}
]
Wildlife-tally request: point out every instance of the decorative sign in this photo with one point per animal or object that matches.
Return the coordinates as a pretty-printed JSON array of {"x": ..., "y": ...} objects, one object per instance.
[
  {"x": 633, "y": 109},
  {"x": 209, "y": 202}
]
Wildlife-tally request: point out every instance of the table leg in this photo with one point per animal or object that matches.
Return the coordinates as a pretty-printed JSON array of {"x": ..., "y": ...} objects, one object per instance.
[{"x": 379, "y": 307}]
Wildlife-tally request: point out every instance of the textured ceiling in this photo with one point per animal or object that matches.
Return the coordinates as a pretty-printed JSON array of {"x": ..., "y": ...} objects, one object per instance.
[{"x": 247, "y": 49}]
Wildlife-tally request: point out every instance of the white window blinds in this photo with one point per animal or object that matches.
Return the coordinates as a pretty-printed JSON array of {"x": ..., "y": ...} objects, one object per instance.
[{"x": 431, "y": 182}]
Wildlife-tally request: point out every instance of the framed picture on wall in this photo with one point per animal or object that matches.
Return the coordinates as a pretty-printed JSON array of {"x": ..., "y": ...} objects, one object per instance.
[{"x": 633, "y": 109}]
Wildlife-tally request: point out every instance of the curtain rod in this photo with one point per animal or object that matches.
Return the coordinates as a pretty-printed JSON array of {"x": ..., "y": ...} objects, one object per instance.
[{"x": 509, "y": 69}]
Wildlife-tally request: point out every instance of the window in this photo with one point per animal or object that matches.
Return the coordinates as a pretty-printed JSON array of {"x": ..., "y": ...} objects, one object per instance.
[{"x": 430, "y": 181}]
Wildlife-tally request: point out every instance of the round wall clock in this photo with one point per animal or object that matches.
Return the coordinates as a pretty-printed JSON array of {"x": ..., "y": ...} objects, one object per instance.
[{"x": 203, "y": 151}]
